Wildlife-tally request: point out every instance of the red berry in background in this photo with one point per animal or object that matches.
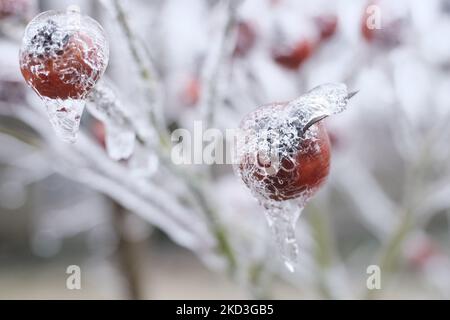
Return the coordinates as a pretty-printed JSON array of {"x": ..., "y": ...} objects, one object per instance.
[
  {"x": 275, "y": 2},
  {"x": 421, "y": 251},
  {"x": 245, "y": 41},
  {"x": 389, "y": 33},
  {"x": 63, "y": 55},
  {"x": 191, "y": 92},
  {"x": 367, "y": 33},
  {"x": 327, "y": 25},
  {"x": 12, "y": 91},
  {"x": 335, "y": 138},
  {"x": 13, "y": 8},
  {"x": 292, "y": 58},
  {"x": 99, "y": 131}
]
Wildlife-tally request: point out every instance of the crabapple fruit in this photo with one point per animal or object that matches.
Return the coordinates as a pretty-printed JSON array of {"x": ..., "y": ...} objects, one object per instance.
[
  {"x": 300, "y": 169},
  {"x": 63, "y": 55},
  {"x": 283, "y": 149}
]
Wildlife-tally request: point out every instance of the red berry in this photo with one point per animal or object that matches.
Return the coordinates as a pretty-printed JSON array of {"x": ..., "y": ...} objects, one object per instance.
[
  {"x": 327, "y": 25},
  {"x": 275, "y": 2},
  {"x": 13, "y": 7},
  {"x": 246, "y": 36},
  {"x": 422, "y": 252},
  {"x": 292, "y": 58},
  {"x": 191, "y": 93},
  {"x": 62, "y": 74},
  {"x": 303, "y": 166},
  {"x": 99, "y": 131},
  {"x": 61, "y": 62},
  {"x": 283, "y": 150}
]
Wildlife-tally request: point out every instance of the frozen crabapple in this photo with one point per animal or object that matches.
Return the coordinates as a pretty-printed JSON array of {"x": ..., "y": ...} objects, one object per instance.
[
  {"x": 304, "y": 167},
  {"x": 283, "y": 157},
  {"x": 283, "y": 149},
  {"x": 62, "y": 57}
]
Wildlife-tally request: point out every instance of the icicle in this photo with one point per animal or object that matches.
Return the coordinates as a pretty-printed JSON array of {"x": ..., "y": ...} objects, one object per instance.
[
  {"x": 282, "y": 218},
  {"x": 120, "y": 136},
  {"x": 65, "y": 116},
  {"x": 119, "y": 142}
]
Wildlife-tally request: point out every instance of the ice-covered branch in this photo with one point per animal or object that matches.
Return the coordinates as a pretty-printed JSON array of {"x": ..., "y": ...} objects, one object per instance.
[
  {"x": 215, "y": 59},
  {"x": 147, "y": 71},
  {"x": 161, "y": 147},
  {"x": 85, "y": 162}
]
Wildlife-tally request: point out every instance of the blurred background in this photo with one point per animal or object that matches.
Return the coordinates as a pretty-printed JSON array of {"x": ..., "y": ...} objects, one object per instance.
[{"x": 129, "y": 224}]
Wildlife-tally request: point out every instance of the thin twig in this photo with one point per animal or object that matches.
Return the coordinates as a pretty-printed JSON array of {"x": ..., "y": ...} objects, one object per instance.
[{"x": 128, "y": 254}]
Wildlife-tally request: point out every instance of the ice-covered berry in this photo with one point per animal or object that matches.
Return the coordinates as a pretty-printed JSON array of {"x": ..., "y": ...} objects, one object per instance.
[
  {"x": 283, "y": 149},
  {"x": 63, "y": 55}
]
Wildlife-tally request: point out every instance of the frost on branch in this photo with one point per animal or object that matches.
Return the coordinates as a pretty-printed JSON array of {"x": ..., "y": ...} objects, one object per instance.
[
  {"x": 120, "y": 136},
  {"x": 62, "y": 57}
]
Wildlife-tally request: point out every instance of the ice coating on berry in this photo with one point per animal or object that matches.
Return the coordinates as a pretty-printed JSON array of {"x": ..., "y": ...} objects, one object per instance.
[
  {"x": 282, "y": 218},
  {"x": 283, "y": 156},
  {"x": 324, "y": 100},
  {"x": 63, "y": 55},
  {"x": 276, "y": 158}
]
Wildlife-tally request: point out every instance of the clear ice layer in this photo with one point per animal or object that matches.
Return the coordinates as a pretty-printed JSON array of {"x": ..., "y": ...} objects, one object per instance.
[
  {"x": 65, "y": 116},
  {"x": 119, "y": 142},
  {"x": 324, "y": 100},
  {"x": 282, "y": 218},
  {"x": 120, "y": 135}
]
